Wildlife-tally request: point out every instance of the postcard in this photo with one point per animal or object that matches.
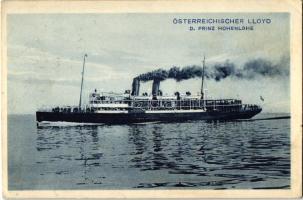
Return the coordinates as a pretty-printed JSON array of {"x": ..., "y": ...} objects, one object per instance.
[{"x": 152, "y": 99}]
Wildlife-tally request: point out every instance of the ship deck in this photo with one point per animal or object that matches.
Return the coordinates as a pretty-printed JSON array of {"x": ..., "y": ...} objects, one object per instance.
[{"x": 150, "y": 105}]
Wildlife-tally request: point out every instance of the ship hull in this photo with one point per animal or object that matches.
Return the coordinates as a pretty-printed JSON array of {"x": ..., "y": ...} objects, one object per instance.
[{"x": 125, "y": 118}]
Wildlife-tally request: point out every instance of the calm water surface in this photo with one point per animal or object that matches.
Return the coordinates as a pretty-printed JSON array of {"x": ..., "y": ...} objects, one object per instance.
[{"x": 198, "y": 154}]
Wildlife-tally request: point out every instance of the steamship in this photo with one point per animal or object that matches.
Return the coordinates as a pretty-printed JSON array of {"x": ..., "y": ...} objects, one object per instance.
[{"x": 131, "y": 107}]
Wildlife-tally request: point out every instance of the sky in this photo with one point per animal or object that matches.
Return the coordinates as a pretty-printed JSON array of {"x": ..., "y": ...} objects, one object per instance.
[{"x": 45, "y": 56}]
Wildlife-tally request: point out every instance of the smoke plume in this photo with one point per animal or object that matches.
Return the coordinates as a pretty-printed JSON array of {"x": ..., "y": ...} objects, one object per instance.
[{"x": 250, "y": 70}]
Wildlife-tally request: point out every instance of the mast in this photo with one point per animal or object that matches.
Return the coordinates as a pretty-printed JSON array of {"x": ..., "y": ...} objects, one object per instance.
[
  {"x": 202, "y": 85},
  {"x": 82, "y": 80}
]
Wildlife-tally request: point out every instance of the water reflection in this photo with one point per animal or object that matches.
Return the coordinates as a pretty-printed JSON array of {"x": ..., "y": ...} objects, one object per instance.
[{"x": 215, "y": 155}]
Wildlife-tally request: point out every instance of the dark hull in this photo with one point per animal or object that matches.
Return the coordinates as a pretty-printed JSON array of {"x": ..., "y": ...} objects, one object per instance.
[{"x": 124, "y": 118}]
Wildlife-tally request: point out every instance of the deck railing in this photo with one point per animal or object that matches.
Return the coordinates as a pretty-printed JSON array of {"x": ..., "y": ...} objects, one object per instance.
[{"x": 227, "y": 105}]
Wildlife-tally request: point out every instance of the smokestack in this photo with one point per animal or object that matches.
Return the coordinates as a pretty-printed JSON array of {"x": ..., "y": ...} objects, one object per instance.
[
  {"x": 156, "y": 87},
  {"x": 135, "y": 87}
]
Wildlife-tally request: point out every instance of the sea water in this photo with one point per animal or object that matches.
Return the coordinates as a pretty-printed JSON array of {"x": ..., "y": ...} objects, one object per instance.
[{"x": 249, "y": 154}]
